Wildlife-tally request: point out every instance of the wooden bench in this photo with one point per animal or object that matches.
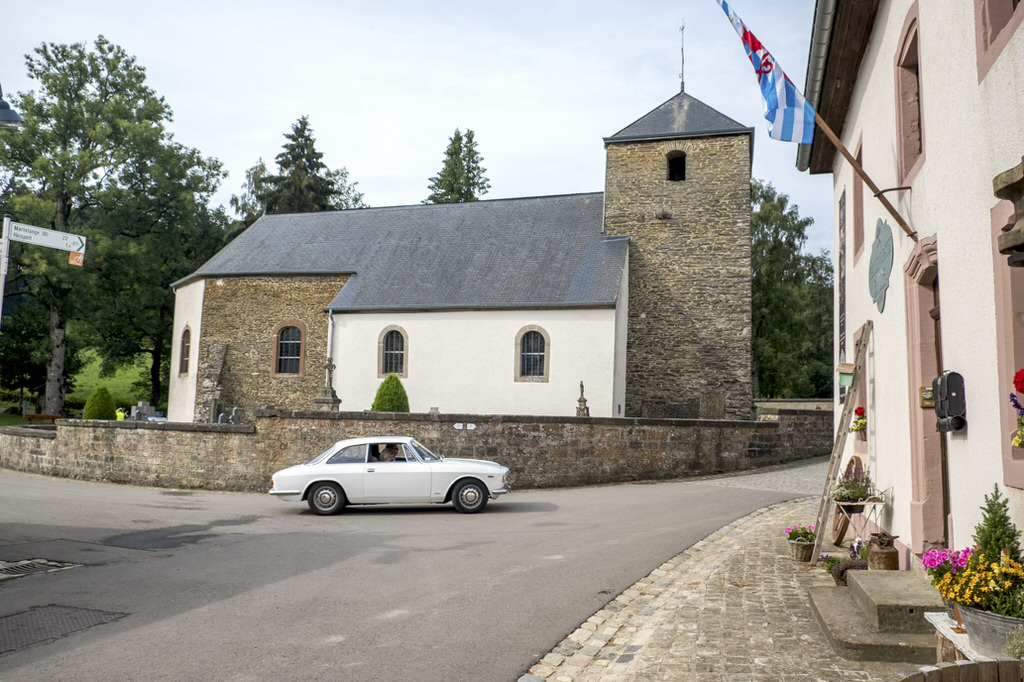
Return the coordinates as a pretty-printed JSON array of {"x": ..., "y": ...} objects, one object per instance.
[{"x": 44, "y": 418}]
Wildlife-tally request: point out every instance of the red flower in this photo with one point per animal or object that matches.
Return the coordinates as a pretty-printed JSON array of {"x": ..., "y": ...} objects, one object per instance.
[
  {"x": 859, "y": 412},
  {"x": 1018, "y": 381}
]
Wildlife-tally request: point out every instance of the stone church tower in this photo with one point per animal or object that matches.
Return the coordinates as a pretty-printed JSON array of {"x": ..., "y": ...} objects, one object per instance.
[{"x": 677, "y": 184}]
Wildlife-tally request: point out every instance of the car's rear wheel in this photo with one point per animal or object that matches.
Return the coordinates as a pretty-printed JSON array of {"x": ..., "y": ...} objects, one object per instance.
[
  {"x": 326, "y": 498},
  {"x": 469, "y": 497}
]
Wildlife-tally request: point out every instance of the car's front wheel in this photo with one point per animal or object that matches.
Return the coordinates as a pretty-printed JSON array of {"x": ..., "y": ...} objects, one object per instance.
[
  {"x": 326, "y": 498},
  {"x": 469, "y": 497}
]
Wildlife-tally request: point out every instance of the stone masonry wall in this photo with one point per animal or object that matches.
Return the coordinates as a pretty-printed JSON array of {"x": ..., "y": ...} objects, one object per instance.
[
  {"x": 541, "y": 452},
  {"x": 237, "y": 346},
  {"x": 689, "y": 330}
]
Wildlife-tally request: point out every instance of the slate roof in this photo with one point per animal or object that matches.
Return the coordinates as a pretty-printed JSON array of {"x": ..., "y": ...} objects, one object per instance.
[
  {"x": 682, "y": 116},
  {"x": 506, "y": 253}
]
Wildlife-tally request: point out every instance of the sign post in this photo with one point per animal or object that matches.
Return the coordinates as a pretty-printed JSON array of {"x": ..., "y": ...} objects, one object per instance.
[{"x": 30, "y": 234}]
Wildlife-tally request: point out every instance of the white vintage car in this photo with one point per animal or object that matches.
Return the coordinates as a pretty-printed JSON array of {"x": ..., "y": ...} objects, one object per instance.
[{"x": 389, "y": 469}]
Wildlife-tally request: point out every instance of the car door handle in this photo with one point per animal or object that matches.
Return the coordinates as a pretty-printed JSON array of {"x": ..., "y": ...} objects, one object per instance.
[{"x": 370, "y": 470}]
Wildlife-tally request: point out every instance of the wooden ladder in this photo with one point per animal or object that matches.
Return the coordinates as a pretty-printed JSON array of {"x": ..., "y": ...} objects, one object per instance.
[{"x": 826, "y": 508}]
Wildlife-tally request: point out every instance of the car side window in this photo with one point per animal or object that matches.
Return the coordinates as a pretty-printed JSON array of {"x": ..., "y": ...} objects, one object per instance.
[{"x": 350, "y": 455}]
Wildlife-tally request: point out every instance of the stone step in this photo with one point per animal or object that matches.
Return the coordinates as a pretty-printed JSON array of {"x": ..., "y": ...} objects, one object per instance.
[
  {"x": 854, "y": 636},
  {"x": 895, "y": 601}
]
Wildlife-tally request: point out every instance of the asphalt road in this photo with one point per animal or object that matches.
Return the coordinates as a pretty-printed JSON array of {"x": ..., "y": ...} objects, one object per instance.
[{"x": 235, "y": 586}]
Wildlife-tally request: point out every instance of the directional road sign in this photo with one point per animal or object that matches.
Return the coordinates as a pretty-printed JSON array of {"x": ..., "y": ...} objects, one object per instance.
[{"x": 54, "y": 239}]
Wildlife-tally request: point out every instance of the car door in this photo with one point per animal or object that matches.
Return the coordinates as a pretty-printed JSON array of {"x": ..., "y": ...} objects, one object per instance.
[
  {"x": 406, "y": 479},
  {"x": 347, "y": 467}
]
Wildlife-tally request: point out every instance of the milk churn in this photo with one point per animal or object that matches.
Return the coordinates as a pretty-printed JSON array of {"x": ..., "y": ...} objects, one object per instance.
[{"x": 882, "y": 556}]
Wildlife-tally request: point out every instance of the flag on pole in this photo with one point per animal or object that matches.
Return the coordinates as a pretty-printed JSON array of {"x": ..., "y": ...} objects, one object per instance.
[{"x": 790, "y": 117}]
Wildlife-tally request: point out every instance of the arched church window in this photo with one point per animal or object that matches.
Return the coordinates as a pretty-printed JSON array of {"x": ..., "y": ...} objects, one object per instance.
[
  {"x": 186, "y": 350},
  {"x": 391, "y": 356},
  {"x": 532, "y": 354},
  {"x": 289, "y": 350}
]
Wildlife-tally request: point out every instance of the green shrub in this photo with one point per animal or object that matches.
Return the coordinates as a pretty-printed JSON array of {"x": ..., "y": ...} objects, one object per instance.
[
  {"x": 100, "y": 405},
  {"x": 391, "y": 396},
  {"x": 1015, "y": 643},
  {"x": 831, "y": 560}
]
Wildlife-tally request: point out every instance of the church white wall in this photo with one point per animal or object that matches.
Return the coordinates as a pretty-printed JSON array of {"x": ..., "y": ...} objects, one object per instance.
[
  {"x": 970, "y": 135},
  {"x": 188, "y": 311},
  {"x": 465, "y": 362}
]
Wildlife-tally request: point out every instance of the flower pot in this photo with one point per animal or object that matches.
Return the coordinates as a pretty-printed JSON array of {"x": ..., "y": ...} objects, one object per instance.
[
  {"x": 862, "y": 434},
  {"x": 988, "y": 631},
  {"x": 851, "y": 507},
  {"x": 800, "y": 551}
]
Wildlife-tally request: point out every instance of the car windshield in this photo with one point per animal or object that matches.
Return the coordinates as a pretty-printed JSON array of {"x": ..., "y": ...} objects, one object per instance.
[
  {"x": 425, "y": 454},
  {"x": 323, "y": 455}
]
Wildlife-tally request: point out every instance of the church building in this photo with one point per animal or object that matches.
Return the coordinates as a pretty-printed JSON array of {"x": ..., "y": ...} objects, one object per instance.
[{"x": 636, "y": 298}]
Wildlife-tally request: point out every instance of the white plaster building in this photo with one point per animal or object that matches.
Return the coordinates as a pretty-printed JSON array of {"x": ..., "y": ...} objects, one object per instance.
[{"x": 929, "y": 96}]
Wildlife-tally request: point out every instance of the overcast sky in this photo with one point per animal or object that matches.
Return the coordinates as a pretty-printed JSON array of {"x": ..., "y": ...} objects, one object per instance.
[{"x": 385, "y": 83}]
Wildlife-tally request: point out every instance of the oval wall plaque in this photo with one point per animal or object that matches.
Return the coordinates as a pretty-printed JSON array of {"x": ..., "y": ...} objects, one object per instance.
[{"x": 880, "y": 265}]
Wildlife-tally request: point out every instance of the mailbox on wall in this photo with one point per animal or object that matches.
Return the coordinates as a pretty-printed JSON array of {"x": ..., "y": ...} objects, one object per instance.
[{"x": 950, "y": 402}]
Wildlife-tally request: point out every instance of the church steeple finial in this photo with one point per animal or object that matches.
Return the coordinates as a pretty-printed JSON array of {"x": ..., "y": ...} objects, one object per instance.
[{"x": 682, "y": 60}]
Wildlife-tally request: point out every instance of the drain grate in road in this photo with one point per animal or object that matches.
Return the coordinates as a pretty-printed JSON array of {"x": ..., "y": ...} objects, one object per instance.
[
  {"x": 20, "y": 568},
  {"x": 44, "y": 623}
]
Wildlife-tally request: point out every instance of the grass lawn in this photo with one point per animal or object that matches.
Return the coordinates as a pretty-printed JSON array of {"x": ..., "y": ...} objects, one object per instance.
[
  {"x": 86, "y": 381},
  {"x": 119, "y": 385}
]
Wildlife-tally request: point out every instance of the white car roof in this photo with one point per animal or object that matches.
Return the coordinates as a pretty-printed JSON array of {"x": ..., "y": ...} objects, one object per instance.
[{"x": 375, "y": 439}]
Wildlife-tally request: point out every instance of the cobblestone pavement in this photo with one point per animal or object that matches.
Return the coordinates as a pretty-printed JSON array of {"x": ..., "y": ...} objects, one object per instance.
[{"x": 733, "y": 606}]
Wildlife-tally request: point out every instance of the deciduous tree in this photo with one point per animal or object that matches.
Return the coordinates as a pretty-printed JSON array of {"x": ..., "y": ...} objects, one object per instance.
[
  {"x": 791, "y": 306},
  {"x": 80, "y": 129},
  {"x": 94, "y": 157}
]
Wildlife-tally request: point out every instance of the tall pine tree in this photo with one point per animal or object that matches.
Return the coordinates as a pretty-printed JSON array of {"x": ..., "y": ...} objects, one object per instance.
[
  {"x": 461, "y": 177},
  {"x": 303, "y": 182}
]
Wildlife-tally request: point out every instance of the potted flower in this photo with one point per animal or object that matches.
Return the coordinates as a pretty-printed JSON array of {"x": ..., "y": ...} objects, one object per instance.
[
  {"x": 940, "y": 562},
  {"x": 1017, "y": 438},
  {"x": 852, "y": 490},
  {"x": 860, "y": 423},
  {"x": 801, "y": 542},
  {"x": 989, "y": 594},
  {"x": 988, "y": 589}
]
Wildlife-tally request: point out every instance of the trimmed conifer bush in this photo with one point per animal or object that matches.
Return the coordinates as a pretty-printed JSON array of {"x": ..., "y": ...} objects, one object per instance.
[
  {"x": 391, "y": 396},
  {"x": 997, "y": 533},
  {"x": 99, "y": 405}
]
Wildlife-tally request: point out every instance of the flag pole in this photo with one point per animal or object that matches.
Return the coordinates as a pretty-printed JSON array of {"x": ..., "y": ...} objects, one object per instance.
[{"x": 863, "y": 175}]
